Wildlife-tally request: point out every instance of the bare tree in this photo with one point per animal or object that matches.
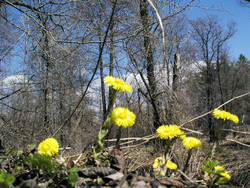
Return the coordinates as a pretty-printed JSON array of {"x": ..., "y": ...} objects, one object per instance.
[{"x": 210, "y": 38}]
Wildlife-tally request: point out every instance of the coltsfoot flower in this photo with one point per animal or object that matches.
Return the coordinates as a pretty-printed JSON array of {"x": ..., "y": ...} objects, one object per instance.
[
  {"x": 48, "y": 147},
  {"x": 171, "y": 165},
  {"x": 117, "y": 84},
  {"x": 222, "y": 114},
  {"x": 191, "y": 142},
  {"x": 157, "y": 162},
  {"x": 224, "y": 174},
  {"x": 123, "y": 117},
  {"x": 169, "y": 132}
]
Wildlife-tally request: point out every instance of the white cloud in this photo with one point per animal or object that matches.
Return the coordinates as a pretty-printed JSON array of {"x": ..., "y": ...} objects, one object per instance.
[{"x": 13, "y": 82}]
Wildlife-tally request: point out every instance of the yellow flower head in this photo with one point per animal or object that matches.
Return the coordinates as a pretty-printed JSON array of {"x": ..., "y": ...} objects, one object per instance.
[
  {"x": 191, "y": 142},
  {"x": 117, "y": 84},
  {"x": 169, "y": 132},
  {"x": 222, "y": 114},
  {"x": 224, "y": 174},
  {"x": 157, "y": 162},
  {"x": 48, "y": 147},
  {"x": 123, "y": 117},
  {"x": 171, "y": 165}
]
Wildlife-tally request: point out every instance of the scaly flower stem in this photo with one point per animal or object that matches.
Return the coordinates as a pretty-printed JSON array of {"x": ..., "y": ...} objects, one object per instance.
[
  {"x": 100, "y": 138},
  {"x": 217, "y": 138},
  {"x": 118, "y": 138},
  {"x": 104, "y": 128},
  {"x": 187, "y": 161},
  {"x": 166, "y": 154},
  {"x": 112, "y": 101}
]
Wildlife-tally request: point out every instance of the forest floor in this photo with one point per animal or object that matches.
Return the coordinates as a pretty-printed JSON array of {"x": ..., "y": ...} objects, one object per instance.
[{"x": 133, "y": 168}]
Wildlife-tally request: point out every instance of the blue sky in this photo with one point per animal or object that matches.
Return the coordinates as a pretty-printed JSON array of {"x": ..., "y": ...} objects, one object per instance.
[{"x": 240, "y": 42}]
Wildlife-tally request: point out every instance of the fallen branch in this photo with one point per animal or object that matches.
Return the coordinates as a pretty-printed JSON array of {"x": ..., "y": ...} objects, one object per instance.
[
  {"x": 234, "y": 131},
  {"x": 238, "y": 142}
]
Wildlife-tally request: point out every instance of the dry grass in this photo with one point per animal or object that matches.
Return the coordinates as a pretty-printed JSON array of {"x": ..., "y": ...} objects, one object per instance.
[{"x": 234, "y": 157}]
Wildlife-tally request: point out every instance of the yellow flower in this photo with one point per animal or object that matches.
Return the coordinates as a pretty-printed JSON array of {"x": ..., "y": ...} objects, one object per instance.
[
  {"x": 117, "y": 84},
  {"x": 155, "y": 165},
  {"x": 123, "y": 117},
  {"x": 191, "y": 142},
  {"x": 169, "y": 132},
  {"x": 48, "y": 147},
  {"x": 222, "y": 114},
  {"x": 171, "y": 165},
  {"x": 157, "y": 162},
  {"x": 224, "y": 174}
]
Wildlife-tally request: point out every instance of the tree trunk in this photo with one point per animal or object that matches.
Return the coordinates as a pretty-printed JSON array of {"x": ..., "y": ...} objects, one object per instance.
[
  {"x": 149, "y": 61},
  {"x": 176, "y": 72},
  {"x": 111, "y": 56},
  {"x": 102, "y": 79},
  {"x": 46, "y": 57},
  {"x": 210, "y": 105}
]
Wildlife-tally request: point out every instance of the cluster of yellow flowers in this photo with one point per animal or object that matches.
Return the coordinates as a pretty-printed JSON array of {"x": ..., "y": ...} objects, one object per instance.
[
  {"x": 123, "y": 117},
  {"x": 224, "y": 174},
  {"x": 170, "y": 132},
  {"x": 170, "y": 165},
  {"x": 222, "y": 114},
  {"x": 173, "y": 131},
  {"x": 120, "y": 116}
]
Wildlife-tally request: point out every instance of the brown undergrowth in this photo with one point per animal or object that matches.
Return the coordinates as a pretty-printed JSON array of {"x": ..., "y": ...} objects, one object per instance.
[
  {"x": 134, "y": 167},
  {"x": 233, "y": 156}
]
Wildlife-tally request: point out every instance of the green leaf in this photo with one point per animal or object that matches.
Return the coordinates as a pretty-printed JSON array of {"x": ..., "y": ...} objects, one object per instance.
[
  {"x": 219, "y": 171},
  {"x": 19, "y": 168},
  {"x": 73, "y": 170},
  {"x": 31, "y": 146},
  {"x": 206, "y": 169},
  {"x": 210, "y": 163},
  {"x": 222, "y": 180},
  {"x": 2, "y": 176},
  {"x": 214, "y": 163},
  {"x": 10, "y": 179},
  {"x": 19, "y": 153},
  {"x": 6, "y": 179},
  {"x": 101, "y": 157},
  {"x": 9, "y": 151},
  {"x": 73, "y": 179},
  {"x": 42, "y": 162},
  {"x": 205, "y": 162}
]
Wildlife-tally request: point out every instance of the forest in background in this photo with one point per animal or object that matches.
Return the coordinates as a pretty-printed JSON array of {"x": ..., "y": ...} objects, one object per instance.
[{"x": 55, "y": 55}]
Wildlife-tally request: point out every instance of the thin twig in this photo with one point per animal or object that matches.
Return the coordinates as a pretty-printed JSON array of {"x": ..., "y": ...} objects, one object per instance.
[
  {"x": 238, "y": 142},
  {"x": 237, "y": 97},
  {"x": 162, "y": 29},
  {"x": 234, "y": 131},
  {"x": 147, "y": 140},
  {"x": 148, "y": 161},
  {"x": 132, "y": 146},
  {"x": 78, "y": 158},
  {"x": 198, "y": 117},
  {"x": 190, "y": 130},
  {"x": 184, "y": 175},
  {"x": 132, "y": 138}
]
